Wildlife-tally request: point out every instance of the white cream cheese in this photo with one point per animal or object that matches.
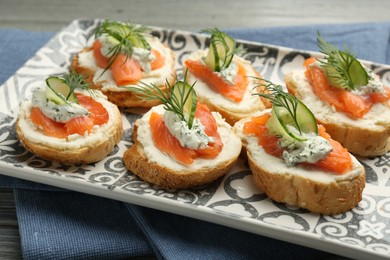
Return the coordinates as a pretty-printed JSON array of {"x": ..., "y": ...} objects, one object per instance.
[
  {"x": 157, "y": 76},
  {"x": 374, "y": 84},
  {"x": 142, "y": 55},
  {"x": 376, "y": 119},
  {"x": 229, "y": 73},
  {"x": 75, "y": 141},
  {"x": 231, "y": 148},
  {"x": 248, "y": 104},
  {"x": 59, "y": 113},
  {"x": 277, "y": 165},
  {"x": 311, "y": 150},
  {"x": 193, "y": 138}
]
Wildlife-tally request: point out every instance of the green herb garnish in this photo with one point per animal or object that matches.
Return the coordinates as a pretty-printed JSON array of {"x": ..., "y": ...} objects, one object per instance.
[
  {"x": 124, "y": 37},
  {"x": 341, "y": 67},
  {"x": 280, "y": 98},
  {"x": 180, "y": 98},
  {"x": 221, "y": 51},
  {"x": 61, "y": 90},
  {"x": 287, "y": 111}
]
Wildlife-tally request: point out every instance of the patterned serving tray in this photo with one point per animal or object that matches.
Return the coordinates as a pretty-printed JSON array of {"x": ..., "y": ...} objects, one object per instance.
[{"x": 234, "y": 201}]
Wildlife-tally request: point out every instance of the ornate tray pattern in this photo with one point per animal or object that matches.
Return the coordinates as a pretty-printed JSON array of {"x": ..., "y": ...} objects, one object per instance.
[{"x": 233, "y": 200}]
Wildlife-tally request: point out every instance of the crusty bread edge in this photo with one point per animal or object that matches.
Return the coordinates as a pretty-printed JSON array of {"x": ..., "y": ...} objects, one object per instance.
[
  {"x": 120, "y": 98},
  {"x": 320, "y": 197},
  {"x": 156, "y": 173},
  {"x": 82, "y": 155},
  {"x": 324, "y": 198},
  {"x": 359, "y": 141}
]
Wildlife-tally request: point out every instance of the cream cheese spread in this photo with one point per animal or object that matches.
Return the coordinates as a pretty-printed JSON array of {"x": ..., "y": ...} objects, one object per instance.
[
  {"x": 74, "y": 141},
  {"x": 59, "y": 113},
  {"x": 376, "y": 119},
  {"x": 374, "y": 84},
  {"x": 231, "y": 142},
  {"x": 193, "y": 138},
  {"x": 157, "y": 76},
  {"x": 247, "y": 105},
  {"x": 277, "y": 165}
]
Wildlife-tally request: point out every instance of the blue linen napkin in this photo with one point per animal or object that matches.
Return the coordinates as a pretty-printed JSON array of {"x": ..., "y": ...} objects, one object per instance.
[{"x": 58, "y": 224}]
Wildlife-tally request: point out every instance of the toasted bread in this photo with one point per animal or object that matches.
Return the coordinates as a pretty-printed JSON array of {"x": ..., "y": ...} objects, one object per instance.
[
  {"x": 313, "y": 189},
  {"x": 154, "y": 166},
  {"x": 84, "y": 63},
  {"x": 231, "y": 111},
  {"x": 76, "y": 149},
  {"x": 367, "y": 136}
]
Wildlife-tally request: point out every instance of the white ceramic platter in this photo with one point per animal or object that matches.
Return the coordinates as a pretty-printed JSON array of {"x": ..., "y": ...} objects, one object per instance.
[{"x": 234, "y": 201}]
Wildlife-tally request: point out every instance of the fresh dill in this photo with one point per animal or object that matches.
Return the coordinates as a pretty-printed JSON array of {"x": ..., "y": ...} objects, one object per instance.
[
  {"x": 62, "y": 88},
  {"x": 75, "y": 81},
  {"x": 280, "y": 98},
  {"x": 179, "y": 98},
  {"x": 342, "y": 68},
  {"x": 223, "y": 46},
  {"x": 125, "y": 37}
]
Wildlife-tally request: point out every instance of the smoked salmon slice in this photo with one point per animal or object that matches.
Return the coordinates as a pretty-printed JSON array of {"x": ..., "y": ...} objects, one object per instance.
[
  {"x": 97, "y": 111},
  {"x": 101, "y": 60},
  {"x": 48, "y": 125},
  {"x": 234, "y": 92},
  {"x": 98, "y": 116},
  {"x": 158, "y": 61},
  {"x": 338, "y": 161},
  {"x": 125, "y": 70},
  {"x": 167, "y": 143},
  {"x": 356, "y": 106}
]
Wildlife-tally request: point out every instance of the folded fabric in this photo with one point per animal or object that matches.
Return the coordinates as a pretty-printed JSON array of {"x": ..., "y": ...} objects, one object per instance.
[{"x": 65, "y": 224}]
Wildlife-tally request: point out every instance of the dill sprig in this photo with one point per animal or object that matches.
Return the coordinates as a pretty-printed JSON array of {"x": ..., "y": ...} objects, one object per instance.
[
  {"x": 218, "y": 38},
  {"x": 179, "y": 98},
  {"x": 342, "y": 68},
  {"x": 76, "y": 81},
  {"x": 280, "y": 98},
  {"x": 61, "y": 89},
  {"x": 126, "y": 36}
]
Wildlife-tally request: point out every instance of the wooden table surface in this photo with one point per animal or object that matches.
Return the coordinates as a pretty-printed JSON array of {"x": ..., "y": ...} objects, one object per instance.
[{"x": 52, "y": 15}]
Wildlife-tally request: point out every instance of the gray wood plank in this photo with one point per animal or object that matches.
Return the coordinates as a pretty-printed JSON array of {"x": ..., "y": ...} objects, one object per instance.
[
  {"x": 46, "y": 15},
  {"x": 52, "y": 15}
]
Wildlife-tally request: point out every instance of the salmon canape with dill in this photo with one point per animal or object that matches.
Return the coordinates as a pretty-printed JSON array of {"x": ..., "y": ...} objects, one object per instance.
[
  {"x": 67, "y": 122},
  {"x": 346, "y": 97},
  {"x": 295, "y": 161},
  {"x": 181, "y": 143},
  {"x": 223, "y": 78},
  {"x": 122, "y": 55}
]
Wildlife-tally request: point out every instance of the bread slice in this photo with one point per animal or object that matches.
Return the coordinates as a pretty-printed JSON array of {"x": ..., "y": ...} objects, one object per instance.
[
  {"x": 76, "y": 149},
  {"x": 231, "y": 111},
  {"x": 84, "y": 63},
  {"x": 316, "y": 190},
  {"x": 368, "y": 136},
  {"x": 154, "y": 166}
]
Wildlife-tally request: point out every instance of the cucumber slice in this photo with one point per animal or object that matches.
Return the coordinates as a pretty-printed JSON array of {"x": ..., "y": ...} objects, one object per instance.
[
  {"x": 221, "y": 52},
  {"x": 281, "y": 119},
  {"x": 357, "y": 75},
  {"x": 185, "y": 94},
  {"x": 212, "y": 58},
  {"x": 58, "y": 91},
  {"x": 226, "y": 52}
]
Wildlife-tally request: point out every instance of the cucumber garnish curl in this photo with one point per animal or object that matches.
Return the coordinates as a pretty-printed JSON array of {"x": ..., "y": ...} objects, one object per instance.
[
  {"x": 221, "y": 50},
  {"x": 180, "y": 98},
  {"x": 287, "y": 112},
  {"x": 61, "y": 89},
  {"x": 341, "y": 67}
]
